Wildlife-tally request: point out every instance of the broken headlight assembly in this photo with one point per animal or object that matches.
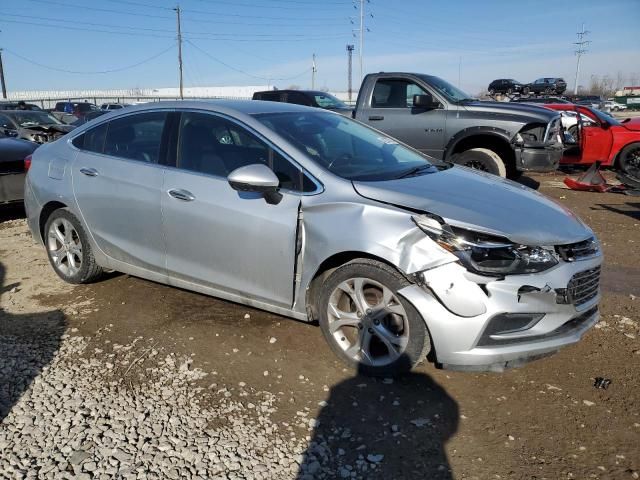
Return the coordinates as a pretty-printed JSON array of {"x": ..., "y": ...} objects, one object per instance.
[{"x": 484, "y": 254}]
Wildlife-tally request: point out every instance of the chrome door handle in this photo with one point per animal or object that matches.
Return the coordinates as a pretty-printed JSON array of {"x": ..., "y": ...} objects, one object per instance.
[
  {"x": 89, "y": 172},
  {"x": 180, "y": 194}
]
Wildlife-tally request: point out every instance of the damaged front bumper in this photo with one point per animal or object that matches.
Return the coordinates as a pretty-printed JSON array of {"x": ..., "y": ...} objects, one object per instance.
[
  {"x": 481, "y": 323},
  {"x": 538, "y": 158}
]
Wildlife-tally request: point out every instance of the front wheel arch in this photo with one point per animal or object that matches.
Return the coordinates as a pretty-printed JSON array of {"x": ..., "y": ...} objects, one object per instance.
[{"x": 495, "y": 142}]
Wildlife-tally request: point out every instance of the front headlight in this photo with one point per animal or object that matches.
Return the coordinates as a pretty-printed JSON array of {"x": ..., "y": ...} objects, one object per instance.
[{"x": 482, "y": 254}]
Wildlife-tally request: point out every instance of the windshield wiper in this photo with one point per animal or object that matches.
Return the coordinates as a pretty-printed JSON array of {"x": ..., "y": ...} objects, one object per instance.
[{"x": 414, "y": 171}]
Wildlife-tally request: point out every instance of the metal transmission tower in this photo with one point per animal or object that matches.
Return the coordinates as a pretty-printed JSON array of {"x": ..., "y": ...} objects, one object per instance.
[
  {"x": 580, "y": 50},
  {"x": 350, "y": 49},
  {"x": 177, "y": 10}
]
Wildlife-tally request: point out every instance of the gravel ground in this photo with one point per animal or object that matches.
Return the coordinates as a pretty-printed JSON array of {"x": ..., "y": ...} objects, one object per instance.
[{"x": 130, "y": 379}]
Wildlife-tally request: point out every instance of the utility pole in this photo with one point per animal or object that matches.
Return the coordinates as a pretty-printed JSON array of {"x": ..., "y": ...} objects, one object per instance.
[
  {"x": 177, "y": 10},
  {"x": 361, "y": 36},
  {"x": 580, "y": 50},
  {"x": 313, "y": 72},
  {"x": 350, "y": 49},
  {"x": 4, "y": 87}
]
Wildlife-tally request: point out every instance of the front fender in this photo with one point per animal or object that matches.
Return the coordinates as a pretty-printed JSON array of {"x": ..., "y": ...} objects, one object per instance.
[{"x": 496, "y": 132}]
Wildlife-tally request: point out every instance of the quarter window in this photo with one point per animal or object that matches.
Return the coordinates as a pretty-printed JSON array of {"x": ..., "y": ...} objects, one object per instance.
[
  {"x": 136, "y": 137},
  {"x": 92, "y": 140},
  {"x": 215, "y": 146}
]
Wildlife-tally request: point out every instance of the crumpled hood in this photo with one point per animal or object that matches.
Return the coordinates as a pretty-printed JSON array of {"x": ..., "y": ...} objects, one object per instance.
[
  {"x": 632, "y": 124},
  {"x": 482, "y": 202},
  {"x": 50, "y": 128}
]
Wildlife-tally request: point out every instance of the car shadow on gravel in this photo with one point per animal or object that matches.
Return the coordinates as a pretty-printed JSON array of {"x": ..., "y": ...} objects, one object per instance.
[
  {"x": 631, "y": 209},
  {"x": 28, "y": 343},
  {"x": 383, "y": 429}
]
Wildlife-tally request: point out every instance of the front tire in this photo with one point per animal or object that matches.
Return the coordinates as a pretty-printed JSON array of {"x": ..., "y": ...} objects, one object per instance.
[
  {"x": 629, "y": 159},
  {"x": 482, "y": 159},
  {"x": 68, "y": 248},
  {"x": 367, "y": 324}
]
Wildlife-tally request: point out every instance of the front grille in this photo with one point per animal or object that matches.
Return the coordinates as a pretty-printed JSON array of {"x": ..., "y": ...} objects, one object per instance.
[
  {"x": 576, "y": 251},
  {"x": 583, "y": 286}
]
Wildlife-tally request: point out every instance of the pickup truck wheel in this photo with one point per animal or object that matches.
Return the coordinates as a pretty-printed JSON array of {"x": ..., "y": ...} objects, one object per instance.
[
  {"x": 481, "y": 159},
  {"x": 629, "y": 159},
  {"x": 525, "y": 90}
]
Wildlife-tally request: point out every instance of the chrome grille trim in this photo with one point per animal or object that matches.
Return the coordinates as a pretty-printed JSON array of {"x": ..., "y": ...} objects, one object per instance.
[{"x": 583, "y": 286}]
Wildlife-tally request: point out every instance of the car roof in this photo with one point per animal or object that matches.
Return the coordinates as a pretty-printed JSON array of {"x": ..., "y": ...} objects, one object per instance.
[{"x": 246, "y": 107}]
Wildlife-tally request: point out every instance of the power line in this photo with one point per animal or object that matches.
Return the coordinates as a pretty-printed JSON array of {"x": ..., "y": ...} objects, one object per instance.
[
  {"x": 259, "y": 77},
  {"x": 97, "y": 72},
  {"x": 93, "y": 30},
  {"x": 580, "y": 50}
]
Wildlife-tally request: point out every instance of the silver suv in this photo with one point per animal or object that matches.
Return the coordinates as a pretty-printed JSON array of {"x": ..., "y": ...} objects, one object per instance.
[{"x": 311, "y": 215}]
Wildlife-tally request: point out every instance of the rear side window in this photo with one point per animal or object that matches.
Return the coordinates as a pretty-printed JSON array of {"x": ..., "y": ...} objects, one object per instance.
[
  {"x": 216, "y": 146},
  {"x": 136, "y": 137},
  {"x": 268, "y": 96},
  {"x": 93, "y": 139},
  {"x": 298, "y": 98}
]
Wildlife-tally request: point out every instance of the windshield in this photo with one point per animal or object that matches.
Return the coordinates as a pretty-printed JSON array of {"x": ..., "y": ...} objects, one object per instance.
[
  {"x": 33, "y": 118},
  {"x": 604, "y": 117},
  {"x": 453, "y": 94},
  {"x": 345, "y": 147},
  {"x": 326, "y": 100}
]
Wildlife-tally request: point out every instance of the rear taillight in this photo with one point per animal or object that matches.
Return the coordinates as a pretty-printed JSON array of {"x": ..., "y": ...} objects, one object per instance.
[{"x": 27, "y": 163}]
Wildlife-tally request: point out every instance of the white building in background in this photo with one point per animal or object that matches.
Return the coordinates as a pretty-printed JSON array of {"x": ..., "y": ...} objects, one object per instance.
[
  {"x": 47, "y": 98},
  {"x": 170, "y": 92}
]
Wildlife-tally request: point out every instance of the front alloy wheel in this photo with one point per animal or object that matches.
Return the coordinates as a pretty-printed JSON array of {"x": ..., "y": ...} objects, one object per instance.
[{"x": 367, "y": 323}]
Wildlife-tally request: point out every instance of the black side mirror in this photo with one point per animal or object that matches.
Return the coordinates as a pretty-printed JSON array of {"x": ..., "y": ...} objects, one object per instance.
[{"x": 425, "y": 101}]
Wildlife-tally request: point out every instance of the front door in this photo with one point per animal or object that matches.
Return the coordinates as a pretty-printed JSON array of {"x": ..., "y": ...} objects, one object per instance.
[
  {"x": 392, "y": 111},
  {"x": 218, "y": 237},
  {"x": 117, "y": 183},
  {"x": 595, "y": 141}
]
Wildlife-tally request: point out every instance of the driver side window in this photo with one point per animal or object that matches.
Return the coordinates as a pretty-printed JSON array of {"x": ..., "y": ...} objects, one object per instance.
[
  {"x": 216, "y": 146},
  {"x": 395, "y": 93}
]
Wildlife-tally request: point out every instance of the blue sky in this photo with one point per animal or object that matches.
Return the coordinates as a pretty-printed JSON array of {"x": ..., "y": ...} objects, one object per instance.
[{"x": 51, "y": 44}]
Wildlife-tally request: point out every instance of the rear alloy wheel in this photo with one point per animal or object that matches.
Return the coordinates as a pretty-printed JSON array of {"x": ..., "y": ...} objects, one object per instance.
[
  {"x": 492, "y": 92},
  {"x": 481, "y": 159},
  {"x": 525, "y": 90},
  {"x": 629, "y": 159},
  {"x": 68, "y": 248},
  {"x": 367, "y": 323}
]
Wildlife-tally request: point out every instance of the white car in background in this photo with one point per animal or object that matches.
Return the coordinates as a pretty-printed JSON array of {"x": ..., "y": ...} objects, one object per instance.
[{"x": 614, "y": 106}]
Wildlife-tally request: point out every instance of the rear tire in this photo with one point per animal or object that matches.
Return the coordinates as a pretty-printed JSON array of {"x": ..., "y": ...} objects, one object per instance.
[
  {"x": 68, "y": 248},
  {"x": 629, "y": 159},
  {"x": 481, "y": 159},
  {"x": 367, "y": 324}
]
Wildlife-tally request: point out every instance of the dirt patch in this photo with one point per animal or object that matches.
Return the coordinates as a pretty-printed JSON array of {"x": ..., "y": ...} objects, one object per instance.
[{"x": 545, "y": 420}]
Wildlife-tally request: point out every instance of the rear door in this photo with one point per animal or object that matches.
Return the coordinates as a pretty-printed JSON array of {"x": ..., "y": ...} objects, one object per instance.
[
  {"x": 234, "y": 242},
  {"x": 391, "y": 110},
  {"x": 117, "y": 183}
]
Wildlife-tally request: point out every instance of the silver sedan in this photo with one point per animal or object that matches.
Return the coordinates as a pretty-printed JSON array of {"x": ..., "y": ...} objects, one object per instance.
[{"x": 314, "y": 216}]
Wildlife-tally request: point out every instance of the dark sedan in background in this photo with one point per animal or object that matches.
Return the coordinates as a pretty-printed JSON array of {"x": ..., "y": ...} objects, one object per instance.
[
  {"x": 507, "y": 85},
  {"x": 13, "y": 153}
]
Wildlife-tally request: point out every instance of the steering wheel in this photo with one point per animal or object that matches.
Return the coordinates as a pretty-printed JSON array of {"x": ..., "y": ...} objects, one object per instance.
[{"x": 345, "y": 157}]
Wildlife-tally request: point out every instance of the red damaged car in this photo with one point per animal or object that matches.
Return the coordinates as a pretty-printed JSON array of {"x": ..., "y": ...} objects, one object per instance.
[{"x": 616, "y": 143}]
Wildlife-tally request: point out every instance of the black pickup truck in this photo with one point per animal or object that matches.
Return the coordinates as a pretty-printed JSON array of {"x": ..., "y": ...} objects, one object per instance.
[{"x": 437, "y": 118}]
